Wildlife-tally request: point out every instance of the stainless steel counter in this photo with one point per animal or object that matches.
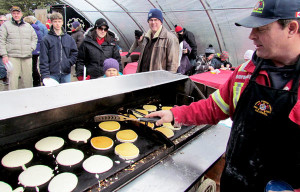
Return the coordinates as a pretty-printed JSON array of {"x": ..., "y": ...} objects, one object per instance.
[{"x": 178, "y": 171}]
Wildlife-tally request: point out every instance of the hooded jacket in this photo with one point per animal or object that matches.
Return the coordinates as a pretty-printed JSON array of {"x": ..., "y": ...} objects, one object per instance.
[
  {"x": 92, "y": 55},
  {"x": 58, "y": 54},
  {"x": 78, "y": 36},
  {"x": 165, "y": 53}
]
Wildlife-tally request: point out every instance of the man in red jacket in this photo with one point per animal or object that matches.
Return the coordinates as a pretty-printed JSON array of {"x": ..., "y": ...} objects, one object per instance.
[{"x": 262, "y": 98}]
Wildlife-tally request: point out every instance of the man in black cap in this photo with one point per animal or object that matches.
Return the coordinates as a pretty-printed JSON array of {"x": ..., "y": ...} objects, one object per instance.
[
  {"x": 160, "y": 48},
  {"x": 137, "y": 42},
  {"x": 263, "y": 99},
  {"x": 17, "y": 41}
]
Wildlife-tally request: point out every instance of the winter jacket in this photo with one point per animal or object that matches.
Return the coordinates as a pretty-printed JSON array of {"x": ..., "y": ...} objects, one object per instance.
[
  {"x": 58, "y": 54},
  {"x": 135, "y": 44},
  {"x": 165, "y": 51},
  {"x": 185, "y": 65},
  {"x": 222, "y": 103},
  {"x": 39, "y": 36},
  {"x": 216, "y": 62},
  {"x": 190, "y": 39},
  {"x": 78, "y": 36},
  {"x": 43, "y": 28},
  {"x": 17, "y": 40},
  {"x": 92, "y": 55}
]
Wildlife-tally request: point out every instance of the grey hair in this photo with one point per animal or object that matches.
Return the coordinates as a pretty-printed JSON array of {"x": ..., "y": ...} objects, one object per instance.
[{"x": 34, "y": 19}]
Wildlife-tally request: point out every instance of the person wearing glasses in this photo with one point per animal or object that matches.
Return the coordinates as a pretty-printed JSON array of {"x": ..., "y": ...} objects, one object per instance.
[
  {"x": 97, "y": 46},
  {"x": 160, "y": 47},
  {"x": 58, "y": 52}
]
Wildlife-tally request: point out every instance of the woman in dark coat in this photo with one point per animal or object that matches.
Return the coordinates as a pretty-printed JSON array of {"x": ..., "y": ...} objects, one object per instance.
[{"x": 96, "y": 47}]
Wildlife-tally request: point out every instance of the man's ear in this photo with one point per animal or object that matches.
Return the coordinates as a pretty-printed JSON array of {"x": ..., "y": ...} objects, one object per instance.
[{"x": 293, "y": 27}]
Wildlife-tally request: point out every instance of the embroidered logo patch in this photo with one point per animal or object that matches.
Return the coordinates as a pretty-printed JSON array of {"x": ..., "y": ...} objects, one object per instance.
[
  {"x": 263, "y": 107},
  {"x": 259, "y": 7}
]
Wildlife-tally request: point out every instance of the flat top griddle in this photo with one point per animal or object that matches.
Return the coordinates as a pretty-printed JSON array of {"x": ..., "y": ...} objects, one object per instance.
[{"x": 147, "y": 142}]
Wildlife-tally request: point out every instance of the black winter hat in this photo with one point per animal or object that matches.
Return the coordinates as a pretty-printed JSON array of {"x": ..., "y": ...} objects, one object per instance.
[
  {"x": 100, "y": 22},
  {"x": 138, "y": 33}
]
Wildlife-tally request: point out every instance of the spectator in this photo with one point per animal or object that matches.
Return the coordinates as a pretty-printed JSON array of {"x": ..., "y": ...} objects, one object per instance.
[
  {"x": 262, "y": 98},
  {"x": 208, "y": 61},
  {"x": 189, "y": 37},
  {"x": 19, "y": 55},
  {"x": 96, "y": 47},
  {"x": 58, "y": 52},
  {"x": 42, "y": 27},
  {"x": 3, "y": 72},
  {"x": 48, "y": 23},
  {"x": 248, "y": 55},
  {"x": 160, "y": 48},
  {"x": 111, "y": 68},
  {"x": 224, "y": 63},
  {"x": 35, "y": 54},
  {"x": 77, "y": 33},
  {"x": 137, "y": 42},
  {"x": 185, "y": 65}
]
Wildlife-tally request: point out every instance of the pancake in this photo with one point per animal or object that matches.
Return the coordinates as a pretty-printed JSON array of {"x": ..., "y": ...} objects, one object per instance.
[
  {"x": 63, "y": 182},
  {"x": 142, "y": 111},
  {"x": 127, "y": 135},
  {"x": 127, "y": 151},
  {"x": 17, "y": 158},
  {"x": 166, "y": 108},
  {"x": 110, "y": 126},
  {"x": 97, "y": 164},
  {"x": 69, "y": 157},
  {"x": 4, "y": 187},
  {"x": 102, "y": 142},
  {"x": 49, "y": 144},
  {"x": 150, "y": 108},
  {"x": 35, "y": 176},
  {"x": 170, "y": 126},
  {"x": 166, "y": 131},
  {"x": 80, "y": 135}
]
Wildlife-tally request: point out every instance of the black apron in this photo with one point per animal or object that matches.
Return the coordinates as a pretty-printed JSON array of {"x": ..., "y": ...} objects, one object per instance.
[{"x": 264, "y": 143}]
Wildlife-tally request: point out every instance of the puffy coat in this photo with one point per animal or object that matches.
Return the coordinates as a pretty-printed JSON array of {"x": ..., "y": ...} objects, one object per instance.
[
  {"x": 165, "y": 51},
  {"x": 17, "y": 40},
  {"x": 92, "y": 55},
  {"x": 39, "y": 36},
  {"x": 222, "y": 103},
  {"x": 58, "y": 54}
]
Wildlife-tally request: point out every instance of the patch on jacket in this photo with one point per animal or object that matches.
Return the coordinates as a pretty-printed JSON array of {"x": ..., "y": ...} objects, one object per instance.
[{"x": 263, "y": 107}]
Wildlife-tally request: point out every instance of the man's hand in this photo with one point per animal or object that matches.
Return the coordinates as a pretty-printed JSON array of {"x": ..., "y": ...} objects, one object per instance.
[
  {"x": 5, "y": 59},
  {"x": 166, "y": 116}
]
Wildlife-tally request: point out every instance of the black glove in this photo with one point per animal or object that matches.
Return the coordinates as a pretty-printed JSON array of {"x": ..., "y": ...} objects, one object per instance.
[
  {"x": 138, "y": 33},
  {"x": 128, "y": 54}
]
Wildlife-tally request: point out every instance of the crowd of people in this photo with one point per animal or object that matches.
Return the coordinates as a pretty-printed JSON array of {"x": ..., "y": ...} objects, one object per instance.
[{"x": 50, "y": 52}]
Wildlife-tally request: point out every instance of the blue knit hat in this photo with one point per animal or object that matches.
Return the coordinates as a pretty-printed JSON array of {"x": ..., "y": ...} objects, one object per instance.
[
  {"x": 155, "y": 13},
  {"x": 75, "y": 24},
  {"x": 110, "y": 63}
]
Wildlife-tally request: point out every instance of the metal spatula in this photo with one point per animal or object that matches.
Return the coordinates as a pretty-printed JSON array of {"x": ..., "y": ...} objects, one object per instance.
[{"x": 115, "y": 117}]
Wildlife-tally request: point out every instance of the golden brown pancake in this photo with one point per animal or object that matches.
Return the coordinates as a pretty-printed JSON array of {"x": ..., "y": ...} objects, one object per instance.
[
  {"x": 127, "y": 135},
  {"x": 127, "y": 151},
  {"x": 110, "y": 126},
  {"x": 102, "y": 142},
  {"x": 150, "y": 108},
  {"x": 166, "y": 108},
  {"x": 166, "y": 131}
]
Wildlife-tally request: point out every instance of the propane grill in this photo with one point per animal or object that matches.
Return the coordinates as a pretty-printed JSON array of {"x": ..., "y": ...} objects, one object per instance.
[{"x": 29, "y": 115}]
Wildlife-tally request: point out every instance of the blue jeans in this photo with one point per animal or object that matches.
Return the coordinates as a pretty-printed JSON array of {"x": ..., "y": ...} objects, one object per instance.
[
  {"x": 62, "y": 78},
  {"x": 3, "y": 72}
]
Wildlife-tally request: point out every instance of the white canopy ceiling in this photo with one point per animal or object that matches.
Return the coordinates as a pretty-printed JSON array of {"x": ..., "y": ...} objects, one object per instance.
[{"x": 211, "y": 21}]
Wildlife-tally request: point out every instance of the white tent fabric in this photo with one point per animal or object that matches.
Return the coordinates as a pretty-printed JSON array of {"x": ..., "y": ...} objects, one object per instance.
[{"x": 211, "y": 21}]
